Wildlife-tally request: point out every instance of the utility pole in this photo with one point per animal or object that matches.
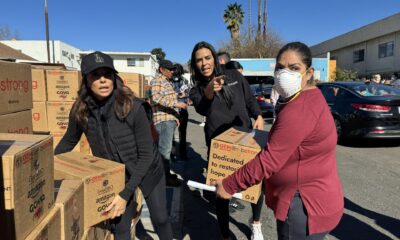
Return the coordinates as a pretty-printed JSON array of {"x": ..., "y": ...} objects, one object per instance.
[{"x": 46, "y": 16}]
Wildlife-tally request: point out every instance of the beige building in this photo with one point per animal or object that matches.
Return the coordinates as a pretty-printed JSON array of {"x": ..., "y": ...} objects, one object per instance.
[{"x": 374, "y": 48}]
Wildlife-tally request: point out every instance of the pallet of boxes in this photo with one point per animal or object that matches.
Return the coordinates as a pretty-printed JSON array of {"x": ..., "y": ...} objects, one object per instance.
[
  {"x": 33, "y": 205},
  {"x": 54, "y": 92},
  {"x": 135, "y": 81}
]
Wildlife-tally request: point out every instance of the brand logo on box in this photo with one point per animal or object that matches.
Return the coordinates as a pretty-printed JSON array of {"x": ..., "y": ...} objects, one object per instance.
[
  {"x": 14, "y": 85},
  {"x": 36, "y": 116},
  {"x": 24, "y": 130},
  {"x": 34, "y": 85},
  {"x": 37, "y": 206}
]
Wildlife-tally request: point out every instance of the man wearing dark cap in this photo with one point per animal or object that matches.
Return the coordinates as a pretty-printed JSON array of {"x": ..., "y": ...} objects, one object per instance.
[{"x": 166, "y": 117}]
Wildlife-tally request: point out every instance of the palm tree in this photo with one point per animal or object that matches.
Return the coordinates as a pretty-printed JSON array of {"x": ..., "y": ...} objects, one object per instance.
[
  {"x": 265, "y": 21},
  {"x": 259, "y": 19},
  {"x": 249, "y": 13},
  {"x": 233, "y": 18}
]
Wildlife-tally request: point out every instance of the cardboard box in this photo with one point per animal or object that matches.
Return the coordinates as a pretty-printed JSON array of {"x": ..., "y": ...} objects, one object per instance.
[
  {"x": 39, "y": 93},
  {"x": 62, "y": 85},
  {"x": 39, "y": 117},
  {"x": 102, "y": 179},
  {"x": 231, "y": 150},
  {"x": 82, "y": 146},
  {"x": 47, "y": 66},
  {"x": 49, "y": 228},
  {"x": 58, "y": 116},
  {"x": 100, "y": 231},
  {"x": 69, "y": 198},
  {"x": 15, "y": 87},
  {"x": 26, "y": 179},
  {"x": 19, "y": 122},
  {"x": 135, "y": 82}
]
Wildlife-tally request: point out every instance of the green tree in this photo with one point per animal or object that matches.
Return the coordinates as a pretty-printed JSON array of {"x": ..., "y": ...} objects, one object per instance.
[
  {"x": 345, "y": 74},
  {"x": 160, "y": 54},
  {"x": 252, "y": 48},
  {"x": 233, "y": 18}
]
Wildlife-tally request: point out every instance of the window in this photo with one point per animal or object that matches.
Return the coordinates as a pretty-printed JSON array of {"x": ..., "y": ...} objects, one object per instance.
[
  {"x": 140, "y": 62},
  {"x": 135, "y": 62},
  {"x": 358, "y": 56},
  {"x": 386, "y": 49},
  {"x": 131, "y": 62}
]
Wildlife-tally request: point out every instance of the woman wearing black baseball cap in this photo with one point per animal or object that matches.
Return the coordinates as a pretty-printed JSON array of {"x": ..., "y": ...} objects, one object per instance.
[{"x": 117, "y": 127}]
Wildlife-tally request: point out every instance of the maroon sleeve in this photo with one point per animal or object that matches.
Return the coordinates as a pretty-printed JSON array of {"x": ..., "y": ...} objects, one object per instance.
[{"x": 291, "y": 127}]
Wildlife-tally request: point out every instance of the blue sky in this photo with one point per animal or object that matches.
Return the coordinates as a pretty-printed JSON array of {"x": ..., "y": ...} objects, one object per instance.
[{"x": 177, "y": 25}]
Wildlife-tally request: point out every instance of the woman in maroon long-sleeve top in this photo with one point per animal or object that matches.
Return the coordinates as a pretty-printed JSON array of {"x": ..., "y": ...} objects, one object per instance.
[{"x": 298, "y": 165}]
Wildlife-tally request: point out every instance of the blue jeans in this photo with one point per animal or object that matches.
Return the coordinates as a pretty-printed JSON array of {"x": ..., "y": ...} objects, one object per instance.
[{"x": 166, "y": 132}]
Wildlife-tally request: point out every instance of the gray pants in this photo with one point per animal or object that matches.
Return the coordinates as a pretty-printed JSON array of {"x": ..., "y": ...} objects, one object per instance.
[{"x": 295, "y": 226}]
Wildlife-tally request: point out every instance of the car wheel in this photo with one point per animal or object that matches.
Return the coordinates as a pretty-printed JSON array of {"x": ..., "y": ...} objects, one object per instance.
[{"x": 339, "y": 128}]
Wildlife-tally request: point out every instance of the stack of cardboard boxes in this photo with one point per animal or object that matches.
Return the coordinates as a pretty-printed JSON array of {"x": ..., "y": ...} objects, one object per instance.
[
  {"x": 30, "y": 206},
  {"x": 135, "y": 81},
  {"x": 15, "y": 98},
  {"x": 26, "y": 179},
  {"x": 54, "y": 93},
  {"x": 33, "y": 206}
]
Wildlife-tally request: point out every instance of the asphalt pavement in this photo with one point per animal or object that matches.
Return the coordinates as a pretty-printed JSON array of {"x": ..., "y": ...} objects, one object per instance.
[{"x": 369, "y": 172}]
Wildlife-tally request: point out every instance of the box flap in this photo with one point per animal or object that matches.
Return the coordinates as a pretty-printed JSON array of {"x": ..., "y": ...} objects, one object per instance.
[
  {"x": 82, "y": 165},
  {"x": 244, "y": 137},
  {"x": 11, "y": 144}
]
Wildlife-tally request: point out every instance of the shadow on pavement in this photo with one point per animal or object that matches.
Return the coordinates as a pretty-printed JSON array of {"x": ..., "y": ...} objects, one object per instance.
[
  {"x": 199, "y": 221},
  {"x": 352, "y": 228},
  {"x": 194, "y": 121}
]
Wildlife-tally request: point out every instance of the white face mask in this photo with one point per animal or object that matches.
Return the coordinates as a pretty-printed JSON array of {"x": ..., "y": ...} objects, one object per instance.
[{"x": 287, "y": 82}]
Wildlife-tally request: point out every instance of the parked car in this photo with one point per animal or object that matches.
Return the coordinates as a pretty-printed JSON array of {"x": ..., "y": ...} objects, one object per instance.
[
  {"x": 363, "y": 110},
  {"x": 262, "y": 93}
]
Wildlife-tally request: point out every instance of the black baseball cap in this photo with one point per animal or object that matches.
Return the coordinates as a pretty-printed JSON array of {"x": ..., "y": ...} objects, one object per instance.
[
  {"x": 166, "y": 64},
  {"x": 96, "y": 60}
]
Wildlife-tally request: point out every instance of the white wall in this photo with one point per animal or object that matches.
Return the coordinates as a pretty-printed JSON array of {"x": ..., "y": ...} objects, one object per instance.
[
  {"x": 60, "y": 52},
  {"x": 372, "y": 63}
]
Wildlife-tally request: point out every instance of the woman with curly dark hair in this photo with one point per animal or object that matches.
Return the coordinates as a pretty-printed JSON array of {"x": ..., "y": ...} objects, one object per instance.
[{"x": 117, "y": 127}]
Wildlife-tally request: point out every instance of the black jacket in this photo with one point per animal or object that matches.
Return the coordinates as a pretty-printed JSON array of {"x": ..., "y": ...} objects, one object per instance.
[
  {"x": 128, "y": 141},
  {"x": 219, "y": 117}
]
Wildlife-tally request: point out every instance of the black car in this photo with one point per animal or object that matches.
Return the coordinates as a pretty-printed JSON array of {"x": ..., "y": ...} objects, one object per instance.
[
  {"x": 262, "y": 93},
  {"x": 364, "y": 110}
]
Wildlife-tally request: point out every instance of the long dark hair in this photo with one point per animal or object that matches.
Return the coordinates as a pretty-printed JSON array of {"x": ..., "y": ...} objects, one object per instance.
[
  {"x": 226, "y": 94},
  {"x": 122, "y": 106},
  {"x": 304, "y": 52},
  {"x": 197, "y": 77}
]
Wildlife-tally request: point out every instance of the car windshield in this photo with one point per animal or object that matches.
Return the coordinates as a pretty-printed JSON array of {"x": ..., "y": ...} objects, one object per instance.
[
  {"x": 261, "y": 89},
  {"x": 371, "y": 90}
]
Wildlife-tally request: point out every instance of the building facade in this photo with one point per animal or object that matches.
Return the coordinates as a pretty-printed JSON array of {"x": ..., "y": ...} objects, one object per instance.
[
  {"x": 374, "y": 48},
  {"x": 60, "y": 52},
  {"x": 135, "y": 62}
]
